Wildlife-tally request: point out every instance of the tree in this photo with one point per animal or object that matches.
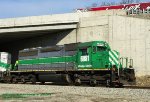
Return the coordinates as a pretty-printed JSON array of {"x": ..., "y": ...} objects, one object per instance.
[
  {"x": 114, "y": 3},
  {"x": 94, "y": 5},
  {"x": 126, "y": 1},
  {"x": 108, "y": 3},
  {"x": 129, "y": 1}
]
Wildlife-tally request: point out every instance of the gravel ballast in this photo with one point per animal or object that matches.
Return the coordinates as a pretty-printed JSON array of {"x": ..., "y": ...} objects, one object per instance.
[{"x": 76, "y": 93}]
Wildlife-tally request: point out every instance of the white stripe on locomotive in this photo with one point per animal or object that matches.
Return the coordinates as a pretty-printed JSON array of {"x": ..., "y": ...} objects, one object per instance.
[{"x": 114, "y": 59}]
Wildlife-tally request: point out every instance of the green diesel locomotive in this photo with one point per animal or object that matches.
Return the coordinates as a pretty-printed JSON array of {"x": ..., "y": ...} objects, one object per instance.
[{"x": 90, "y": 62}]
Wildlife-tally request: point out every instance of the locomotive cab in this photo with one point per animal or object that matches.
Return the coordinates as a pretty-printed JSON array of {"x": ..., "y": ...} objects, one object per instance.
[
  {"x": 93, "y": 55},
  {"x": 100, "y": 55}
]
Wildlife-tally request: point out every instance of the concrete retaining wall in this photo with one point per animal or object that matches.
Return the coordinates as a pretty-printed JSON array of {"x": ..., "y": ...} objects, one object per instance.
[
  {"x": 130, "y": 36},
  {"x": 93, "y": 28}
]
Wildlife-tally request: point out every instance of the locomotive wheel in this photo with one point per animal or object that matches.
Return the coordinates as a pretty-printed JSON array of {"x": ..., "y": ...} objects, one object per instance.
[
  {"x": 68, "y": 79},
  {"x": 108, "y": 83},
  {"x": 32, "y": 79},
  {"x": 93, "y": 82},
  {"x": 42, "y": 83},
  {"x": 77, "y": 82},
  {"x": 121, "y": 85},
  {"x": 23, "y": 81},
  {"x": 14, "y": 79},
  {"x": 8, "y": 80}
]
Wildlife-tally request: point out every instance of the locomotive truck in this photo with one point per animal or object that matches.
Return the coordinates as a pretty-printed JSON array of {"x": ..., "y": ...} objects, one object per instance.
[{"x": 76, "y": 63}]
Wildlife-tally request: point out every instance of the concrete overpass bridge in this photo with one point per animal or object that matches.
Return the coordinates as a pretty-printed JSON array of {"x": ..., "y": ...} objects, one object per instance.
[{"x": 25, "y": 27}]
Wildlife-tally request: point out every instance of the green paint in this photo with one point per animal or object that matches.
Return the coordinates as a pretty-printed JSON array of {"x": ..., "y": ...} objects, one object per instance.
[
  {"x": 98, "y": 52},
  {"x": 16, "y": 95},
  {"x": 4, "y": 65},
  {"x": 47, "y": 60},
  {"x": 90, "y": 55}
]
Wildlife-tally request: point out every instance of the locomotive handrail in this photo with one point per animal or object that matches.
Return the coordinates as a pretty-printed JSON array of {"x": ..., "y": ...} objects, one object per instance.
[{"x": 128, "y": 62}]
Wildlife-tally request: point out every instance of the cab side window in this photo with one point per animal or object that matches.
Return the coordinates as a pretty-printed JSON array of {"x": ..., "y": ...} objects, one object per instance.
[{"x": 84, "y": 52}]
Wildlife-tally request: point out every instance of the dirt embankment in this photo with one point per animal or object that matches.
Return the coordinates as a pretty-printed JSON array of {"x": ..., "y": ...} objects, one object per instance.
[{"x": 143, "y": 81}]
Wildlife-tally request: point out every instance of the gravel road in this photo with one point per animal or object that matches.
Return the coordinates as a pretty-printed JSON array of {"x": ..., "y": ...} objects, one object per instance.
[{"x": 74, "y": 93}]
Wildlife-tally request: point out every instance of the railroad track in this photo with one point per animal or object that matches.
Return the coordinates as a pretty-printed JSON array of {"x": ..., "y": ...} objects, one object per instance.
[
  {"x": 136, "y": 87},
  {"x": 85, "y": 85}
]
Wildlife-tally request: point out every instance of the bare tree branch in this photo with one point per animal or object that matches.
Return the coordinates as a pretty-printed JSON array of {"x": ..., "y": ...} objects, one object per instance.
[
  {"x": 129, "y": 1},
  {"x": 114, "y": 3}
]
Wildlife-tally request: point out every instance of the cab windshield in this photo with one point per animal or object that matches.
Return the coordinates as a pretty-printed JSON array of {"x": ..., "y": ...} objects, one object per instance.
[{"x": 101, "y": 48}]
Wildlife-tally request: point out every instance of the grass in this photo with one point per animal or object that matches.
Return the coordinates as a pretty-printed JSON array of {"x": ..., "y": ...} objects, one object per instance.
[{"x": 16, "y": 96}]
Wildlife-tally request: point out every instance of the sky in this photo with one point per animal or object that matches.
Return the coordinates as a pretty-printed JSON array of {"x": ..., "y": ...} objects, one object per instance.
[{"x": 21, "y": 8}]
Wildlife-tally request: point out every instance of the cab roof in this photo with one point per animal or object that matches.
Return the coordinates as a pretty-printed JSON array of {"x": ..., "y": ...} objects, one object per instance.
[{"x": 94, "y": 43}]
